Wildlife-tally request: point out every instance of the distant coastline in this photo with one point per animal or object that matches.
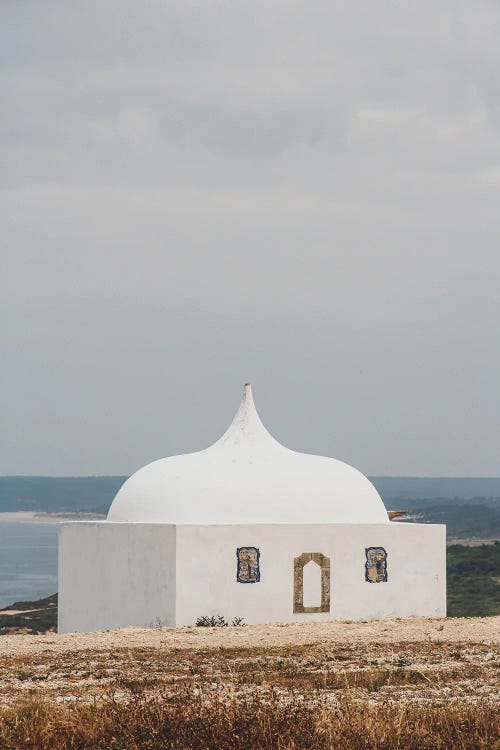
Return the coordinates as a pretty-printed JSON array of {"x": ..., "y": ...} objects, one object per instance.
[
  {"x": 469, "y": 506},
  {"x": 29, "y": 516}
]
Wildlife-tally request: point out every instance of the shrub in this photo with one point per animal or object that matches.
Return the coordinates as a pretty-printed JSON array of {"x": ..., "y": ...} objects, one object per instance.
[
  {"x": 218, "y": 621},
  {"x": 213, "y": 621}
]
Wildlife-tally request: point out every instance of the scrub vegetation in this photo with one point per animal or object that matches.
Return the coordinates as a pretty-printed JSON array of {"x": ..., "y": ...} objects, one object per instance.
[
  {"x": 218, "y": 621},
  {"x": 34, "y": 617},
  {"x": 416, "y": 684},
  {"x": 473, "y": 580}
]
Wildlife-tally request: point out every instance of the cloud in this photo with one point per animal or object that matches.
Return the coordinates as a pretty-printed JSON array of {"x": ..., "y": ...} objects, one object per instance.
[{"x": 280, "y": 163}]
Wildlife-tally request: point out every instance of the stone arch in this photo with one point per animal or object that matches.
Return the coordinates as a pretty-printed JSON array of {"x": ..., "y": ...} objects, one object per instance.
[{"x": 298, "y": 582}]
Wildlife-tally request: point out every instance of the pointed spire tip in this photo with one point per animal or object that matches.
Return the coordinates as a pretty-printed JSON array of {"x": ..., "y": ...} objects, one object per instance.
[{"x": 246, "y": 425}]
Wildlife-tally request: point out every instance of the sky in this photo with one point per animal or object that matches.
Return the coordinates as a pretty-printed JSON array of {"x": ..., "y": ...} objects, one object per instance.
[{"x": 303, "y": 195}]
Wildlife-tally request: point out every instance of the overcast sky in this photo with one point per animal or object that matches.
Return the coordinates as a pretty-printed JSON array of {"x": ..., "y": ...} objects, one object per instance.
[{"x": 305, "y": 195}]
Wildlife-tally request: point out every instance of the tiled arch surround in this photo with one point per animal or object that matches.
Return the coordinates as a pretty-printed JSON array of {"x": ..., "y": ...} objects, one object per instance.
[{"x": 298, "y": 582}]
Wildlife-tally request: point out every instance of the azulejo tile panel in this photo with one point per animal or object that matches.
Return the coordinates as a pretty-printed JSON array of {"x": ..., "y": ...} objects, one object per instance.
[
  {"x": 376, "y": 565},
  {"x": 248, "y": 568}
]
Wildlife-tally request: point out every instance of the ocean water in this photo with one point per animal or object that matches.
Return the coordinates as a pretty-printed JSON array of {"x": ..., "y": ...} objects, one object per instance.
[{"x": 28, "y": 561}]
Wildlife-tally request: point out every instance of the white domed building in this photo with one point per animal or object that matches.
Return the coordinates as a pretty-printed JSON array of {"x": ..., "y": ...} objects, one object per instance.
[{"x": 308, "y": 535}]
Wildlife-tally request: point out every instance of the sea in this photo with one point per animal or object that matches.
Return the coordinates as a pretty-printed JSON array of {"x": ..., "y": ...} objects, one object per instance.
[
  {"x": 28, "y": 561},
  {"x": 28, "y": 551}
]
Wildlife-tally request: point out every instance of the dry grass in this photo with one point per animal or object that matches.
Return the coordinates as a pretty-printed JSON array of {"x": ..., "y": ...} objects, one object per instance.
[
  {"x": 200, "y": 722},
  {"x": 152, "y": 694}
]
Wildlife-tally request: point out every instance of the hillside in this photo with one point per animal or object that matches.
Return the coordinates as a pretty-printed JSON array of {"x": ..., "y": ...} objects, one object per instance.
[
  {"x": 473, "y": 580},
  {"x": 33, "y": 617},
  {"x": 464, "y": 520}
]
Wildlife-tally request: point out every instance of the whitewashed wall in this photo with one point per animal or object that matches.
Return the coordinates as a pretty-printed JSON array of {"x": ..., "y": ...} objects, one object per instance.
[
  {"x": 113, "y": 575},
  {"x": 206, "y": 571},
  {"x": 117, "y": 574}
]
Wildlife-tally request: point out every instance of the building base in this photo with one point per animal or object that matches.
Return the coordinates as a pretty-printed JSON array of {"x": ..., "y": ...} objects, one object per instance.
[{"x": 114, "y": 575}]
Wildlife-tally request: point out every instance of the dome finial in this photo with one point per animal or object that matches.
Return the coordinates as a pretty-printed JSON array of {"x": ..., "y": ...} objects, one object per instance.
[
  {"x": 246, "y": 424},
  {"x": 247, "y": 401},
  {"x": 247, "y": 477}
]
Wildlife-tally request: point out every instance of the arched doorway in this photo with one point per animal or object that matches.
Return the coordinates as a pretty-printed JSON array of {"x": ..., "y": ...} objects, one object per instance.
[{"x": 318, "y": 589}]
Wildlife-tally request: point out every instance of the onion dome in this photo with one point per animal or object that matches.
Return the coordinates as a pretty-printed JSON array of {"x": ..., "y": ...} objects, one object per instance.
[{"x": 247, "y": 477}]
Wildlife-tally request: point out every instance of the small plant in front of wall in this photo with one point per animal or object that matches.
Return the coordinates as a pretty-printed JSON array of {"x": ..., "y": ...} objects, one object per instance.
[
  {"x": 213, "y": 621},
  {"x": 217, "y": 621},
  {"x": 158, "y": 623}
]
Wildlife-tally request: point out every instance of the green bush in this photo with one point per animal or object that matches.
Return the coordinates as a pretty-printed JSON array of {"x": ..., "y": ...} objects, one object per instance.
[{"x": 473, "y": 575}]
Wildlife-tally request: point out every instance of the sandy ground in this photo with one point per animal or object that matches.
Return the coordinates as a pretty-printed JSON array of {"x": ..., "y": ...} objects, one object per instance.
[
  {"x": 482, "y": 630},
  {"x": 29, "y": 516},
  {"x": 471, "y": 542},
  {"x": 425, "y": 661}
]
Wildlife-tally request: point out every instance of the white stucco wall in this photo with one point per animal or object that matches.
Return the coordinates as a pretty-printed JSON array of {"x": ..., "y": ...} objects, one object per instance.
[
  {"x": 206, "y": 571},
  {"x": 117, "y": 574},
  {"x": 113, "y": 575}
]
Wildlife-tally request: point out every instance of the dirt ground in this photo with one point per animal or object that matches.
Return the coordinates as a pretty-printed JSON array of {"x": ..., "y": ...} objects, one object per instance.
[
  {"x": 415, "y": 629},
  {"x": 427, "y": 660}
]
